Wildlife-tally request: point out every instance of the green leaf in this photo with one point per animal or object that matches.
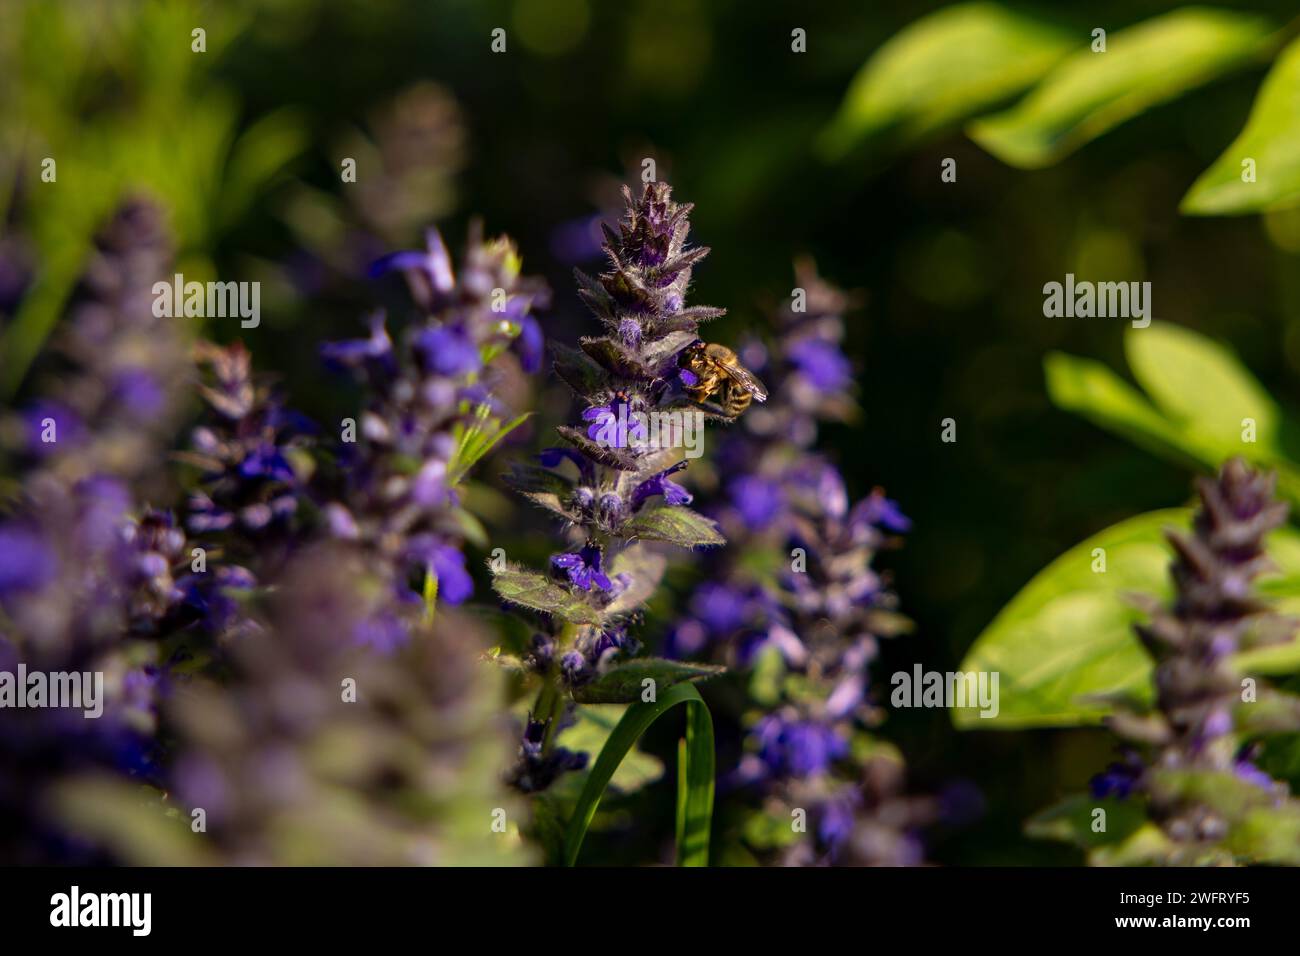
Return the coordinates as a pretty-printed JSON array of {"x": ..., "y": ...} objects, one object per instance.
[
  {"x": 676, "y": 525},
  {"x": 1204, "y": 389},
  {"x": 616, "y": 357},
  {"x": 1271, "y": 660},
  {"x": 695, "y": 800},
  {"x": 590, "y": 733},
  {"x": 1144, "y": 65},
  {"x": 1201, "y": 394},
  {"x": 129, "y": 819},
  {"x": 942, "y": 69},
  {"x": 654, "y": 353},
  {"x": 258, "y": 157},
  {"x": 1271, "y": 138},
  {"x": 550, "y": 812},
  {"x": 39, "y": 313},
  {"x": 1091, "y": 389},
  {"x": 476, "y": 439},
  {"x": 578, "y": 371},
  {"x": 765, "y": 831},
  {"x": 430, "y": 594},
  {"x": 529, "y": 589},
  {"x": 1067, "y": 638},
  {"x": 471, "y": 528},
  {"x": 1068, "y": 633},
  {"x": 1269, "y": 835},
  {"x": 609, "y": 455},
  {"x": 622, "y": 684},
  {"x": 645, "y": 568},
  {"x": 1070, "y": 821},
  {"x": 1145, "y": 846},
  {"x": 543, "y": 487},
  {"x": 766, "y": 676}
]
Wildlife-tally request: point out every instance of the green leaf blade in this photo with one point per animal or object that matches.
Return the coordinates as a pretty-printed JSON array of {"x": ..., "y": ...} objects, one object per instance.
[
  {"x": 675, "y": 524},
  {"x": 622, "y": 684},
  {"x": 1204, "y": 389},
  {"x": 1143, "y": 66},
  {"x": 1068, "y": 634},
  {"x": 1065, "y": 643},
  {"x": 537, "y": 592},
  {"x": 695, "y": 799},
  {"x": 1271, "y": 138},
  {"x": 1090, "y": 389},
  {"x": 941, "y": 69}
]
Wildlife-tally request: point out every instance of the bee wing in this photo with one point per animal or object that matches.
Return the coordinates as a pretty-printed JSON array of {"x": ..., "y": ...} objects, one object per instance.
[{"x": 745, "y": 379}]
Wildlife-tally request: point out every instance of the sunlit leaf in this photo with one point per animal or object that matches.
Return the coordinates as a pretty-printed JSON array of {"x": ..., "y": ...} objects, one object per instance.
[
  {"x": 1067, "y": 638},
  {"x": 942, "y": 69},
  {"x": 1091, "y": 389},
  {"x": 591, "y": 730},
  {"x": 1271, "y": 140},
  {"x": 536, "y": 591},
  {"x": 1068, "y": 634},
  {"x": 1202, "y": 387},
  {"x": 476, "y": 439},
  {"x": 676, "y": 525},
  {"x": 1142, "y": 66}
]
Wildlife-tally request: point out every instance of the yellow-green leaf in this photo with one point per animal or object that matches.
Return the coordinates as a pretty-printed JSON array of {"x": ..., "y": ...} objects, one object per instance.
[
  {"x": 1270, "y": 140},
  {"x": 1142, "y": 66},
  {"x": 943, "y": 68},
  {"x": 1203, "y": 388}
]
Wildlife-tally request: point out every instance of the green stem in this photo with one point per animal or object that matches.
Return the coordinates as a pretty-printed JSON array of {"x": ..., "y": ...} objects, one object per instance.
[
  {"x": 550, "y": 699},
  {"x": 430, "y": 593}
]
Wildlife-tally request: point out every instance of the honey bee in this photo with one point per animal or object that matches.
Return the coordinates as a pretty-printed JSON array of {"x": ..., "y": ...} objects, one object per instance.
[{"x": 718, "y": 370}]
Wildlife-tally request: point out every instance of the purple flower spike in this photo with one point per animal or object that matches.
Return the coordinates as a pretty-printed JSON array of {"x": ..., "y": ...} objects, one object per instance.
[
  {"x": 351, "y": 353},
  {"x": 800, "y": 748},
  {"x": 455, "y": 586},
  {"x": 583, "y": 568},
  {"x": 26, "y": 561},
  {"x": 883, "y": 512},
  {"x": 822, "y": 364},
  {"x": 759, "y": 500},
  {"x": 447, "y": 351},
  {"x": 530, "y": 344},
  {"x": 432, "y": 267}
]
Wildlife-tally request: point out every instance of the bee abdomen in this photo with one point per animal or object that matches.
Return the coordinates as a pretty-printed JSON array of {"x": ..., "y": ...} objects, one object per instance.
[{"x": 735, "y": 400}]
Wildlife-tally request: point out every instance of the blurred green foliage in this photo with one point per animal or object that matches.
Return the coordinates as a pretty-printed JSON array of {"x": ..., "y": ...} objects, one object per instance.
[{"x": 117, "y": 97}]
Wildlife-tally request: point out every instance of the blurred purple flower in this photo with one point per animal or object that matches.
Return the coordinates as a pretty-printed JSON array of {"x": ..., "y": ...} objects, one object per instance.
[{"x": 821, "y": 363}]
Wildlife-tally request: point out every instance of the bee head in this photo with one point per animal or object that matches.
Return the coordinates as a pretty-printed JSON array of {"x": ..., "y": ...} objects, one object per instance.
[{"x": 692, "y": 351}]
